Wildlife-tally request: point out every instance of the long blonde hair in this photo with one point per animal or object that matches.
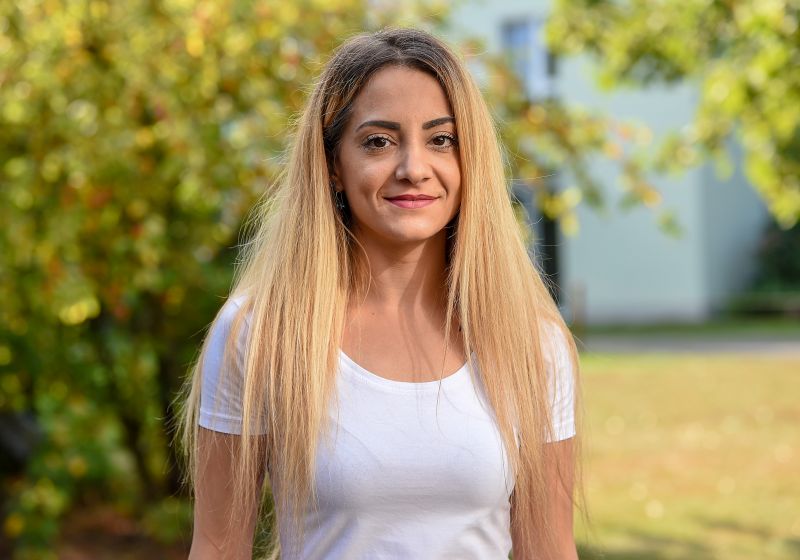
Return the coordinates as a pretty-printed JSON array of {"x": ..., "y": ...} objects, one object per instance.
[{"x": 302, "y": 264}]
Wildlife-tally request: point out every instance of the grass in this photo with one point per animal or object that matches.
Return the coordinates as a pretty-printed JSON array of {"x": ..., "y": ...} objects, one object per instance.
[{"x": 691, "y": 457}]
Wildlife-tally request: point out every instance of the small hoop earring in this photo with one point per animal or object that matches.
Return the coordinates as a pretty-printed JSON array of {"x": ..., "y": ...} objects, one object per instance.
[{"x": 341, "y": 202}]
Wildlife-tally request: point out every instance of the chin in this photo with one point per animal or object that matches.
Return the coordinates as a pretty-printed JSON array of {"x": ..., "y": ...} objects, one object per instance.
[
  {"x": 413, "y": 236},
  {"x": 402, "y": 233}
]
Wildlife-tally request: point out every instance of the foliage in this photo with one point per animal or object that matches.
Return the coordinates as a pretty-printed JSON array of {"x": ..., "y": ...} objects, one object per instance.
[
  {"x": 741, "y": 54},
  {"x": 134, "y": 137}
]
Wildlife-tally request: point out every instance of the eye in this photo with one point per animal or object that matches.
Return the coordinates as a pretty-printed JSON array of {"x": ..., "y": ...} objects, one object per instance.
[
  {"x": 376, "y": 143},
  {"x": 444, "y": 141}
]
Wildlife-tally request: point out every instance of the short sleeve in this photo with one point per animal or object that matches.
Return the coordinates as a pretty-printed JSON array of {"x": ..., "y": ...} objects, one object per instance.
[
  {"x": 223, "y": 387},
  {"x": 561, "y": 383}
]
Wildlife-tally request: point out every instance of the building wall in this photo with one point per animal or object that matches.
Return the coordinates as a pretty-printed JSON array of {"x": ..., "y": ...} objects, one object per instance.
[
  {"x": 620, "y": 267},
  {"x": 735, "y": 219},
  {"x": 483, "y": 18}
]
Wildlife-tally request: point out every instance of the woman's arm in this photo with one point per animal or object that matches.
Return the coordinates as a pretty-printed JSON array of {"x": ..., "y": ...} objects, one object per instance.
[
  {"x": 214, "y": 538},
  {"x": 528, "y": 544}
]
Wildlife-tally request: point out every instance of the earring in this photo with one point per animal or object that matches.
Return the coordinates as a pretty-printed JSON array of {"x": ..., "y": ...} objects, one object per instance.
[{"x": 341, "y": 204}]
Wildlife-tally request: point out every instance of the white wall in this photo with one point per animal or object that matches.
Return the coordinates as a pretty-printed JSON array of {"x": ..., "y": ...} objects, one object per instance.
[
  {"x": 621, "y": 268},
  {"x": 735, "y": 220}
]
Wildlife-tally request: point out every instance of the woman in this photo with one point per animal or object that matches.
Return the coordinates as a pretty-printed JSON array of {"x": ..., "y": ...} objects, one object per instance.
[{"x": 339, "y": 367}]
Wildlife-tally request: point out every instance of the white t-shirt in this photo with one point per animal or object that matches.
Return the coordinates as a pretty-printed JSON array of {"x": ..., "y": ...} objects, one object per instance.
[{"x": 409, "y": 471}]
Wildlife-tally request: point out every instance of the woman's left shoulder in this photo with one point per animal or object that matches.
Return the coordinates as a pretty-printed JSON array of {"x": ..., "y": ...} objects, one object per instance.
[{"x": 556, "y": 342}]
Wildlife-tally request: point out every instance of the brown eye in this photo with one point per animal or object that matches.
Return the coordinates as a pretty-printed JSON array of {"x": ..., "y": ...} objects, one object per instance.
[
  {"x": 376, "y": 143},
  {"x": 444, "y": 141}
]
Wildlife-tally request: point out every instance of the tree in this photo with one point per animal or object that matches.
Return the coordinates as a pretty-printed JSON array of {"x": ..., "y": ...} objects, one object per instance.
[
  {"x": 134, "y": 138},
  {"x": 743, "y": 55}
]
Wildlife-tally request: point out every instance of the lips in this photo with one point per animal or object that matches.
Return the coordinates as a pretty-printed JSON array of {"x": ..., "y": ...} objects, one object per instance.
[
  {"x": 412, "y": 201},
  {"x": 412, "y": 197}
]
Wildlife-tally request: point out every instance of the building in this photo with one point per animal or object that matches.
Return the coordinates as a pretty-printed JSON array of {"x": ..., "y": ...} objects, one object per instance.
[{"x": 621, "y": 268}]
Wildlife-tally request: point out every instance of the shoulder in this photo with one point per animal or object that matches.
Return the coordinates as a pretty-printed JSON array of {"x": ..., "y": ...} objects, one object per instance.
[
  {"x": 223, "y": 369},
  {"x": 556, "y": 343},
  {"x": 228, "y": 313},
  {"x": 558, "y": 349},
  {"x": 230, "y": 309},
  {"x": 229, "y": 321}
]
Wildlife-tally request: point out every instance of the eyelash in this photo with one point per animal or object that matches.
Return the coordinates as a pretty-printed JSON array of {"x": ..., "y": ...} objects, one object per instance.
[
  {"x": 370, "y": 148},
  {"x": 451, "y": 137}
]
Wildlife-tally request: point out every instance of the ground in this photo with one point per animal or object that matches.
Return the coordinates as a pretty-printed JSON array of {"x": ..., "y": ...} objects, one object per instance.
[{"x": 692, "y": 456}]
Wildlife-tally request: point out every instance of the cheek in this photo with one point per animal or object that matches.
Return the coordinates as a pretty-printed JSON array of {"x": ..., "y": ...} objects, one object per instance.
[
  {"x": 368, "y": 178},
  {"x": 361, "y": 175},
  {"x": 453, "y": 178}
]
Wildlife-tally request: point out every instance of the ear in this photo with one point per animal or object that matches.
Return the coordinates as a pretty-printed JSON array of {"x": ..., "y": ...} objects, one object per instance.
[{"x": 335, "y": 181}]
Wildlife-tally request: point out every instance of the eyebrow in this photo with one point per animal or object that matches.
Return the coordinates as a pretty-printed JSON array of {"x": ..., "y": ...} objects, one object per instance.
[{"x": 391, "y": 125}]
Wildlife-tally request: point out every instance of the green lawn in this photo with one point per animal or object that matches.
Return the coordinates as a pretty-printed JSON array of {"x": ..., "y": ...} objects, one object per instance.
[{"x": 691, "y": 457}]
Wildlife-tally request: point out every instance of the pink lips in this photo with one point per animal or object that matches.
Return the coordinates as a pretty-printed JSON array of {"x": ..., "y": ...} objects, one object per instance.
[{"x": 411, "y": 201}]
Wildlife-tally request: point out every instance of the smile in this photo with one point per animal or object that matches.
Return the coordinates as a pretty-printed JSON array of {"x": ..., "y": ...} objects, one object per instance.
[{"x": 407, "y": 202}]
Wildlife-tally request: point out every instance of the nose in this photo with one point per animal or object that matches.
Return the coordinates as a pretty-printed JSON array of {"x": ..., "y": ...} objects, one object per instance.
[{"x": 413, "y": 165}]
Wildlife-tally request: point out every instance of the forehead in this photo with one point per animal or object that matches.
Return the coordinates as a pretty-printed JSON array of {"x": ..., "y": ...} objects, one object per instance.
[{"x": 401, "y": 94}]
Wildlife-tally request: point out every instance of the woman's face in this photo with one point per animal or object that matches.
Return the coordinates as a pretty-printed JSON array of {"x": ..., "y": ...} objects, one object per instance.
[{"x": 400, "y": 141}]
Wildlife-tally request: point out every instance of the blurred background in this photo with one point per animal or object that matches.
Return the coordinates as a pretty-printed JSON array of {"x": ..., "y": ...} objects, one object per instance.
[{"x": 653, "y": 147}]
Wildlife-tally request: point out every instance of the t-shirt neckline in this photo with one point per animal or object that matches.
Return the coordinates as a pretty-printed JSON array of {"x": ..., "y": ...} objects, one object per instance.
[{"x": 360, "y": 373}]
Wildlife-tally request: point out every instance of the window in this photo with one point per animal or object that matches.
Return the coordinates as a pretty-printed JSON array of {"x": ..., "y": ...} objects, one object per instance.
[{"x": 523, "y": 42}]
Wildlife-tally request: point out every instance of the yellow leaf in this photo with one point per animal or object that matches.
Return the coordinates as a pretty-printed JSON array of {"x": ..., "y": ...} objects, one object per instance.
[
  {"x": 569, "y": 224},
  {"x": 194, "y": 43},
  {"x": 14, "y": 525}
]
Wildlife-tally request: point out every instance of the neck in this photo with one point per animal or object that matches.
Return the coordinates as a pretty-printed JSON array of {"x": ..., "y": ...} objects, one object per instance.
[{"x": 405, "y": 277}]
